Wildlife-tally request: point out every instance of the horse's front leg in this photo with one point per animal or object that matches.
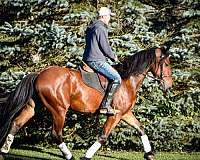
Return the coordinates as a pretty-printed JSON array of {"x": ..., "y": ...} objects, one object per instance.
[
  {"x": 130, "y": 119},
  {"x": 110, "y": 124},
  {"x": 27, "y": 113}
]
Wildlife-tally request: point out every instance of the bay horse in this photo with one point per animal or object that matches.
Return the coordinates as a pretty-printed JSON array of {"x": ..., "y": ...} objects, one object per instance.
[{"x": 61, "y": 88}]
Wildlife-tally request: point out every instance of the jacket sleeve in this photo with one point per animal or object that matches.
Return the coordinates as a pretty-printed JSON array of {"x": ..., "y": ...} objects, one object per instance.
[{"x": 102, "y": 38}]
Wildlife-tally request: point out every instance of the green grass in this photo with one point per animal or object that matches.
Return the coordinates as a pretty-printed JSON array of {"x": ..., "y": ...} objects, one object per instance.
[{"x": 35, "y": 153}]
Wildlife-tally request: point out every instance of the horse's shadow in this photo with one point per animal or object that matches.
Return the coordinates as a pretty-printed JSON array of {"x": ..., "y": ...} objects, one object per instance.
[
  {"x": 20, "y": 157},
  {"x": 12, "y": 156}
]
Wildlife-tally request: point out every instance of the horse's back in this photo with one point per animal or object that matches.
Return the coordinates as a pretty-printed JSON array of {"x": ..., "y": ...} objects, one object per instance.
[
  {"x": 50, "y": 74},
  {"x": 51, "y": 78}
]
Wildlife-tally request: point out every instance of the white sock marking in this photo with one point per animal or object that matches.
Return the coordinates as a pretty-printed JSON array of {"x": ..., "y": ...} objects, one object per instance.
[
  {"x": 92, "y": 150},
  {"x": 6, "y": 147},
  {"x": 146, "y": 143},
  {"x": 65, "y": 150}
]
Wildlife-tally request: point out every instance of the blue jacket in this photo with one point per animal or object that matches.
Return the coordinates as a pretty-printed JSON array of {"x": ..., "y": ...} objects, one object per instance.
[{"x": 97, "y": 45}]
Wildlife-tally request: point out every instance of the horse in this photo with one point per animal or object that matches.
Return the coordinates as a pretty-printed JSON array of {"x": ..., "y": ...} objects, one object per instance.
[{"x": 62, "y": 88}]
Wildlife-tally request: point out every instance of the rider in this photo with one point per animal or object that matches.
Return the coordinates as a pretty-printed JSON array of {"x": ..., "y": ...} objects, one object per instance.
[{"x": 96, "y": 51}]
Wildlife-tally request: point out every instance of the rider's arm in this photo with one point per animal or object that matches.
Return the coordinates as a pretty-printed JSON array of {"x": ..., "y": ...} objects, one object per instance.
[{"x": 102, "y": 38}]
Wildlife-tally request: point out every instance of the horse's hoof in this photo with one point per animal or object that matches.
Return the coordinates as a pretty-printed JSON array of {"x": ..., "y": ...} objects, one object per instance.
[
  {"x": 85, "y": 158},
  {"x": 149, "y": 156}
]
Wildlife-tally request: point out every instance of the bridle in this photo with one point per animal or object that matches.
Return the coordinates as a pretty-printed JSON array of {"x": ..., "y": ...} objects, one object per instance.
[{"x": 162, "y": 75}]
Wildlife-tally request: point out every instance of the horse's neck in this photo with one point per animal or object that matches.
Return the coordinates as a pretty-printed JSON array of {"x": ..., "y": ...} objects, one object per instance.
[{"x": 136, "y": 81}]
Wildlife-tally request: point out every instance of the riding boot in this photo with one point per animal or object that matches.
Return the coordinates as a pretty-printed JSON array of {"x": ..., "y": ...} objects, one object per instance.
[{"x": 107, "y": 100}]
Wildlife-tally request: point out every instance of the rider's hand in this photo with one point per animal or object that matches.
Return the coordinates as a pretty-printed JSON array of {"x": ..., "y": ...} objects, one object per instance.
[
  {"x": 116, "y": 59},
  {"x": 117, "y": 62}
]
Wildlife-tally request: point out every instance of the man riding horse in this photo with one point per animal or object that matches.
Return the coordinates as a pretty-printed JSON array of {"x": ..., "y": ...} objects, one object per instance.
[
  {"x": 67, "y": 90},
  {"x": 96, "y": 50}
]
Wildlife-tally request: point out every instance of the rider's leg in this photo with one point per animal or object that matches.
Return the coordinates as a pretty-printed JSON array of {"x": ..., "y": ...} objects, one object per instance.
[
  {"x": 114, "y": 82},
  {"x": 107, "y": 99}
]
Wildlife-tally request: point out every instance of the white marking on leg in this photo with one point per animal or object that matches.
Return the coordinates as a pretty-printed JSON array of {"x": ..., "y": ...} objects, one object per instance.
[
  {"x": 65, "y": 150},
  {"x": 6, "y": 147},
  {"x": 146, "y": 143},
  {"x": 92, "y": 150}
]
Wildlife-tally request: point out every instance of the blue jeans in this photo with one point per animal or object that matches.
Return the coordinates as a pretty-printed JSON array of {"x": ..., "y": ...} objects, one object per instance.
[{"x": 107, "y": 70}]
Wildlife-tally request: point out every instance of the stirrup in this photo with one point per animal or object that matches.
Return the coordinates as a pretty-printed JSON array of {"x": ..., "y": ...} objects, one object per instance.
[{"x": 109, "y": 111}]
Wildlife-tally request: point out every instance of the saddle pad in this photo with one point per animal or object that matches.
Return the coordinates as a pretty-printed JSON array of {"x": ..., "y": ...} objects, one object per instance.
[{"x": 92, "y": 80}]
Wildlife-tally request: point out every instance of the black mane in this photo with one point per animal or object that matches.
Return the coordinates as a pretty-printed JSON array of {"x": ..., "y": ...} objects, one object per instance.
[{"x": 136, "y": 64}]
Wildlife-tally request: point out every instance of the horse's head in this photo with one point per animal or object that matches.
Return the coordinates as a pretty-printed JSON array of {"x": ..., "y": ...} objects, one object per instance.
[{"x": 161, "y": 69}]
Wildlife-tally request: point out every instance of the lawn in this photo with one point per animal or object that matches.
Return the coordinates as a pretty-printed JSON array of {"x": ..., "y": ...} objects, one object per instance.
[{"x": 38, "y": 153}]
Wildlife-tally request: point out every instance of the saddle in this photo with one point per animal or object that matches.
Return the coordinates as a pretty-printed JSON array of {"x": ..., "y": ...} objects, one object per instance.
[{"x": 93, "y": 79}]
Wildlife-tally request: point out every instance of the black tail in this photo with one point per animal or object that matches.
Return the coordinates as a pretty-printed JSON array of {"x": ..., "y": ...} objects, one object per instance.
[{"x": 10, "y": 106}]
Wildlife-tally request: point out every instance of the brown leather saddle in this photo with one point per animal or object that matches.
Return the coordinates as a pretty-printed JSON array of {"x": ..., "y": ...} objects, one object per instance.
[{"x": 93, "y": 79}]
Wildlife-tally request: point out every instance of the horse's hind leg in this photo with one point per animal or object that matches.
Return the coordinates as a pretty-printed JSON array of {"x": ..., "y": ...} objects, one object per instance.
[
  {"x": 130, "y": 119},
  {"x": 27, "y": 113}
]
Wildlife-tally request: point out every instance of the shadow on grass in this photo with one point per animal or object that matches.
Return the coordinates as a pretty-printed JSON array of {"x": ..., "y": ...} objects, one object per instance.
[
  {"x": 20, "y": 157},
  {"x": 113, "y": 157},
  {"x": 32, "y": 148},
  {"x": 11, "y": 156}
]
